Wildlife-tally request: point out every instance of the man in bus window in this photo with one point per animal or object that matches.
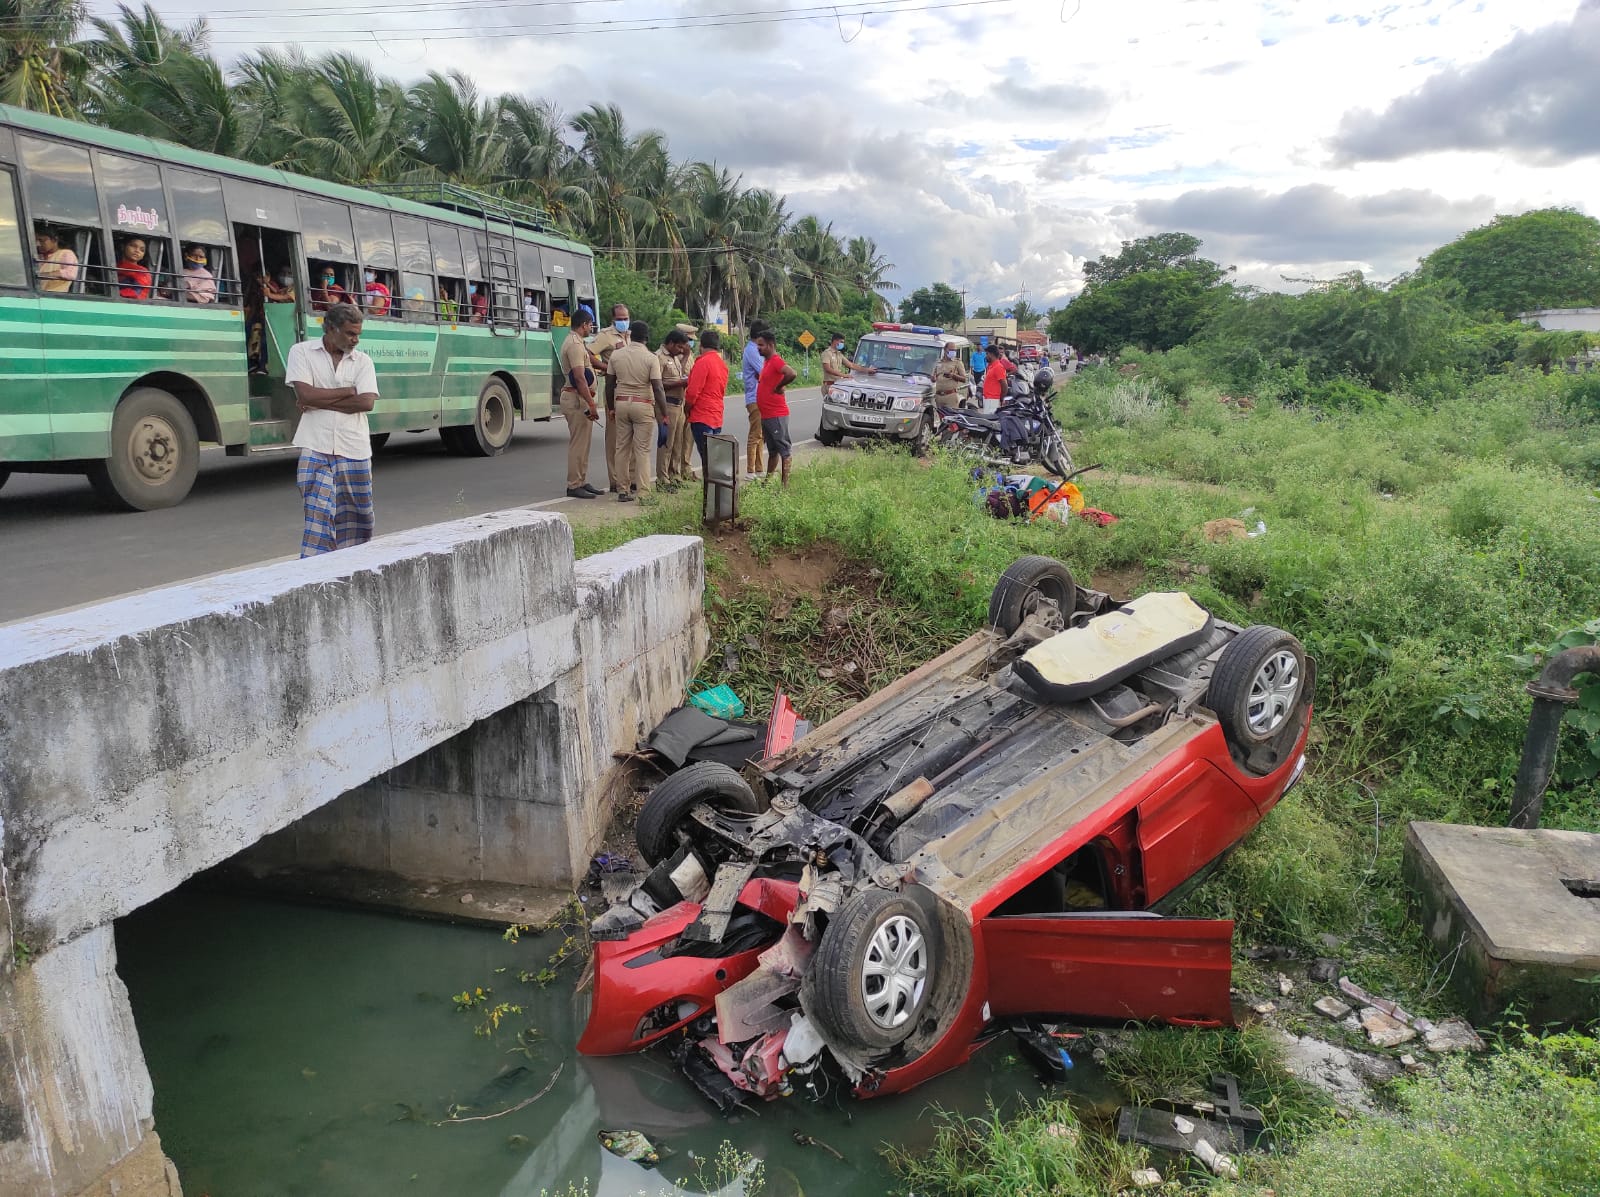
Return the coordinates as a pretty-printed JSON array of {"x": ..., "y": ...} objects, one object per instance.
[
  {"x": 199, "y": 284},
  {"x": 133, "y": 274},
  {"x": 335, "y": 386},
  {"x": 530, "y": 308},
  {"x": 279, "y": 289},
  {"x": 58, "y": 265},
  {"x": 378, "y": 296}
]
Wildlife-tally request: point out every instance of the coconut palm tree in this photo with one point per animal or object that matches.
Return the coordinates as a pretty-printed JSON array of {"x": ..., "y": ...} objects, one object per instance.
[
  {"x": 540, "y": 168},
  {"x": 353, "y": 125},
  {"x": 764, "y": 219},
  {"x": 40, "y": 66},
  {"x": 615, "y": 169},
  {"x": 151, "y": 78},
  {"x": 456, "y": 131},
  {"x": 713, "y": 235},
  {"x": 866, "y": 268},
  {"x": 819, "y": 265}
]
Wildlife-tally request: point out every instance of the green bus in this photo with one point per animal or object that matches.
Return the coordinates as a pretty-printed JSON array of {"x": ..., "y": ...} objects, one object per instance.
[{"x": 120, "y": 365}]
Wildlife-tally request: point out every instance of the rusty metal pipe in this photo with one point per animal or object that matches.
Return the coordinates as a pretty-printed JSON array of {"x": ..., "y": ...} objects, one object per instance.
[{"x": 1552, "y": 695}]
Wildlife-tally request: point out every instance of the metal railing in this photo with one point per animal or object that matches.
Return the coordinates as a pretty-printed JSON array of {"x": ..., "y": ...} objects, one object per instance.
[{"x": 469, "y": 202}]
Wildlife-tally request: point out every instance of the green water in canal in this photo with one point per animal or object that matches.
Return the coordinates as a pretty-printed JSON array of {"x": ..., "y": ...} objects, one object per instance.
[{"x": 307, "y": 1051}]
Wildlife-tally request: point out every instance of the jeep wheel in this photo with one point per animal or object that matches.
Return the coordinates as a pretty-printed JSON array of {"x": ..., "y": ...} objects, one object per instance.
[
  {"x": 873, "y": 971},
  {"x": 669, "y": 804},
  {"x": 923, "y": 441},
  {"x": 1026, "y": 582},
  {"x": 1259, "y": 692},
  {"x": 832, "y": 438}
]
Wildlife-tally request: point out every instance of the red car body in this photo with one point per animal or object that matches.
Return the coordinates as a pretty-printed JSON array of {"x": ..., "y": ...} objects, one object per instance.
[{"x": 1128, "y": 821}]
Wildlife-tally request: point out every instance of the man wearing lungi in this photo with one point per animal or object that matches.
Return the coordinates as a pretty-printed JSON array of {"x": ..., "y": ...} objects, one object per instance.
[{"x": 335, "y": 387}]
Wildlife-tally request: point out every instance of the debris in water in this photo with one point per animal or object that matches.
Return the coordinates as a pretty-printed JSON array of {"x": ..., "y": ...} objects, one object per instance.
[
  {"x": 517, "y": 1142},
  {"x": 630, "y": 1145},
  {"x": 523, "y": 1104},
  {"x": 308, "y": 1073},
  {"x": 806, "y": 1140}
]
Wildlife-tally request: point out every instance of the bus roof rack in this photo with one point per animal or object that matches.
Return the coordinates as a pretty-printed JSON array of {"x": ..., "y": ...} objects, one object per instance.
[{"x": 469, "y": 202}]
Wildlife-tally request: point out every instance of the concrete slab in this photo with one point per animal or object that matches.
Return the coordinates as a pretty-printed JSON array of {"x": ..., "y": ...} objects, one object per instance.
[{"x": 1498, "y": 897}]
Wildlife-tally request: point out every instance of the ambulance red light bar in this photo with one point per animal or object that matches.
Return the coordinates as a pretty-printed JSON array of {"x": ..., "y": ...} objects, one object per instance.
[{"x": 924, "y": 329}]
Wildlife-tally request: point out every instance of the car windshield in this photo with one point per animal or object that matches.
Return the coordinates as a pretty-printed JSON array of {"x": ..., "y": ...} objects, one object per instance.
[{"x": 897, "y": 357}]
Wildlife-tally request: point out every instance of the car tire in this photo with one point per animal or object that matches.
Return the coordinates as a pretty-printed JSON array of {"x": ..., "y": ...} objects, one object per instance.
[
  {"x": 1258, "y": 691},
  {"x": 874, "y": 970},
  {"x": 666, "y": 806},
  {"x": 1019, "y": 589},
  {"x": 923, "y": 441},
  {"x": 155, "y": 453},
  {"x": 830, "y": 437}
]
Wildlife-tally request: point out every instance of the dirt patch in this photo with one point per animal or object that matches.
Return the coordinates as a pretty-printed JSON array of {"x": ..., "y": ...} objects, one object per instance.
[
  {"x": 792, "y": 573},
  {"x": 1123, "y": 582}
]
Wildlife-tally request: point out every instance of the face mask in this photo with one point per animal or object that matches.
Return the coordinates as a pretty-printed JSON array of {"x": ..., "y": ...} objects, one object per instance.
[
  {"x": 285, "y": 278},
  {"x": 622, "y": 326},
  {"x": 370, "y": 277},
  {"x": 327, "y": 280},
  {"x": 838, "y": 345},
  {"x": 949, "y": 355}
]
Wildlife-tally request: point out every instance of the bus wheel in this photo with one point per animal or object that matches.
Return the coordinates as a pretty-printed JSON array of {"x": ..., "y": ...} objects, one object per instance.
[
  {"x": 155, "y": 453},
  {"x": 490, "y": 431}
]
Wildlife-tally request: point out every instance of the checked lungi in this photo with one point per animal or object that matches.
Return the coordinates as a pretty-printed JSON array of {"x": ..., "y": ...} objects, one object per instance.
[{"x": 338, "y": 500}]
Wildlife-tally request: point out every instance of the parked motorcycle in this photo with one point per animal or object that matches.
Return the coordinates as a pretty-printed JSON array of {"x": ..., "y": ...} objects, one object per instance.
[{"x": 1039, "y": 438}]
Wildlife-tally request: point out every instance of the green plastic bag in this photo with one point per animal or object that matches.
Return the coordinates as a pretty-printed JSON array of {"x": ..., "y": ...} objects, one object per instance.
[{"x": 718, "y": 701}]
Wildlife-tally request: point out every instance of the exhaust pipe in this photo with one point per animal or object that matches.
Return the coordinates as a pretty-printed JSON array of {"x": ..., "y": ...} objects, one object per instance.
[{"x": 1552, "y": 695}]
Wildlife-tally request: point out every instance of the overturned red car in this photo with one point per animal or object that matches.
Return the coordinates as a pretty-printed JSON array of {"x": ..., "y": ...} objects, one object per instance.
[{"x": 994, "y": 836}]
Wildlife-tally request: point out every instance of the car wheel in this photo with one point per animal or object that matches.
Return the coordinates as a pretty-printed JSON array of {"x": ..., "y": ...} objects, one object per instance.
[
  {"x": 1026, "y": 582},
  {"x": 1258, "y": 691},
  {"x": 874, "y": 970},
  {"x": 923, "y": 441},
  {"x": 832, "y": 438},
  {"x": 669, "y": 804}
]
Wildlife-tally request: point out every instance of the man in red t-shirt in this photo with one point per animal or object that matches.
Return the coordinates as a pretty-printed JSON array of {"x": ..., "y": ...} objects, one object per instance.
[
  {"x": 996, "y": 374},
  {"x": 773, "y": 404},
  {"x": 707, "y": 389}
]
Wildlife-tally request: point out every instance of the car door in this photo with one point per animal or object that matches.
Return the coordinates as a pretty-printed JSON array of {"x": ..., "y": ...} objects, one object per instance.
[
  {"x": 1187, "y": 823},
  {"x": 1113, "y": 965}
]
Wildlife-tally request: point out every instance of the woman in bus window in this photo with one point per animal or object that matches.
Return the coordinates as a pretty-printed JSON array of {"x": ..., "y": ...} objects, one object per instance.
[
  {"x": 199, "y": 284},
  {"x": 134, "y": 280},
  {"x": 327, "y": 290},
  {"x": 378, "y": 296}
]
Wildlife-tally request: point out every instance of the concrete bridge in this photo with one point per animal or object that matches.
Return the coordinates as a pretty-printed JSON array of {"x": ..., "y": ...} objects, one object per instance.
[{"x": 440, "y": 704}]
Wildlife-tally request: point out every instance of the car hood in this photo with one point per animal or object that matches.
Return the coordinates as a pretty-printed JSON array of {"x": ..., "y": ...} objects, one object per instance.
[{"x": 892, "y": 385}]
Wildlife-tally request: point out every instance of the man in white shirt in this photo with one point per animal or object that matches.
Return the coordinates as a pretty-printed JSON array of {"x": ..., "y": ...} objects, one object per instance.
[{"x": 335, "y": 387}]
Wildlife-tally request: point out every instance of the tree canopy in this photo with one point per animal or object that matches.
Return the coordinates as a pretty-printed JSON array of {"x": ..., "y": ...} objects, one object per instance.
[
  {"x": 1164, "y": 251},
  {"x": 695, "y": 231},
  {"x": 940, "y": 305},
  {"x": 1547, "y": 258}
]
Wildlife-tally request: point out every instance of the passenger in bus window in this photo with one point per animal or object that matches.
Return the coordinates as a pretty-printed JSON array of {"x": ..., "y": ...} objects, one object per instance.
[
  {"x": 378, "y": 295},
  {"x": 58, "y": 265},
  {"x": 279, "y": 289},
  {"x": 199, "y": 284},
  {"x": 530, "y": 308},
  {"x": 327, "y": 290},
  {"x": 480, "y": 303},
  {"x": 449, "y": 299},
  {"x": 134, "y": 280}
]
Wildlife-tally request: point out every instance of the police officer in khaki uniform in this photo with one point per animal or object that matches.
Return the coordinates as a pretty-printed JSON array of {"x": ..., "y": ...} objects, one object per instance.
[
  {"x": 578, "y": 405},
  {"x": 671, "y": 458},
  {"x": 603, "y": 346},
  {"x": 641, "y": 407},
  {"x": 950, "y": 379},
  {"x": 836, "y": 366}
]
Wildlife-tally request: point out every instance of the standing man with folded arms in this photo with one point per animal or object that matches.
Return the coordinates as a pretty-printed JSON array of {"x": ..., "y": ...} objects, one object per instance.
[{"x": 335, "y": 386}]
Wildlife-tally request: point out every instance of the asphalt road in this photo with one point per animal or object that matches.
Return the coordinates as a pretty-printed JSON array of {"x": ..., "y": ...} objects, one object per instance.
[{"x": 60, "y": 547}]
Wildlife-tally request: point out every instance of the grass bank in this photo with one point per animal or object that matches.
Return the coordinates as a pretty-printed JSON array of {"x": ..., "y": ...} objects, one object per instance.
[{"x": 1419, "y": 550}]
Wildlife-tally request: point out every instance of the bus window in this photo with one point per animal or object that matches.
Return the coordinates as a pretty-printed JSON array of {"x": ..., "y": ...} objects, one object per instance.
[
  {"x": 136, "y": 208},
  {"x": 478, "y": 298},
  {"x": 379, "y": 278},
  {"x": 331, "y": 283},
  {"x": 13, "y": 258},
  {"x": 450, "y": 267},
  {"x": 417, "y": 292},
  {"x": 325, "y": 225},
  {"x": 68, "y": 253},
  {"x": 197, "y": 211},
  {"x": 535, "y": 301},
  {"x": 205, "y": 277}
]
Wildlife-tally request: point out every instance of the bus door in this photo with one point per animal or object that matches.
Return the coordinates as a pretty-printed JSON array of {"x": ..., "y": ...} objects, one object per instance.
[
  {"x": 25, "y": 433},
  {"x": 274, "y": 320}
]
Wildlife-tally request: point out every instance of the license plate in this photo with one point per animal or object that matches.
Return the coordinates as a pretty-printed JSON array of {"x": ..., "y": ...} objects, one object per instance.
[{"x": 867, "y": 421}]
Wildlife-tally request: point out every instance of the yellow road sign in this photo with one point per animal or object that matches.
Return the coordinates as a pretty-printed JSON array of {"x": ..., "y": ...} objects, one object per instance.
[{"x": 806, "y": 339}]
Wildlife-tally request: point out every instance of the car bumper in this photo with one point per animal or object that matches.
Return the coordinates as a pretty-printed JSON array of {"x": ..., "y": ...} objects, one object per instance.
[{"x": 853, "y": 421}]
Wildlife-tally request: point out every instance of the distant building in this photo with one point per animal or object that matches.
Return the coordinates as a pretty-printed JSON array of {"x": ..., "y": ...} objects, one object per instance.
[
  {"x": 999, "y": 326},
  {"x": 1564, "y": 319}
]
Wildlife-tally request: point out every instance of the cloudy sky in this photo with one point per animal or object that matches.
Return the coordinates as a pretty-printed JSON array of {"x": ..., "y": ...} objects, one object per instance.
[{"x": 998, "y": 144}]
